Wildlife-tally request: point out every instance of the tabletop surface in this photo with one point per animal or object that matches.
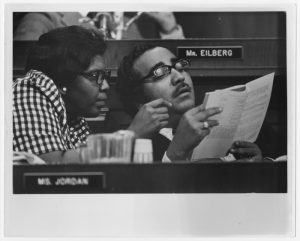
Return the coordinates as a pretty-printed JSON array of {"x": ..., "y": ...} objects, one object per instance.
[{"x": 197, "y": 177}]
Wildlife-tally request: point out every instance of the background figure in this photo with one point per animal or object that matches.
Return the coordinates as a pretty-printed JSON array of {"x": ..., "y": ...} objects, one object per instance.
[
  {"x": 31, "y": 25},
  {"x": 151, "y": 72},
  {"x": 131, "y": 25}
]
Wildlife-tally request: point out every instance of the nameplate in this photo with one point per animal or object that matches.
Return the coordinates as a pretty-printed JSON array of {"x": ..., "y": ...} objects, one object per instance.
[
  {"x": 67, "y": 182},
  {"x": 210, "y": 52}
]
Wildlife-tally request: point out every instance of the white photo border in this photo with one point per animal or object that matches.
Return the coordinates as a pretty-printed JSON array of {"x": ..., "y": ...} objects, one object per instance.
[{"x": 145, "y": 215}]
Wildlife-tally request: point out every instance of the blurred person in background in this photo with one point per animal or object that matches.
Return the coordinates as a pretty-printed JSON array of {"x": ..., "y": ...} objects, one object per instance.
[{"x": 116, "y": 25}]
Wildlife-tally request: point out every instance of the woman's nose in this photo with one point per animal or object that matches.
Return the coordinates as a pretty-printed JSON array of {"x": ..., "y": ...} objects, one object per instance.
[
  {"x": 104, "y": 86},
  {"x": 176, "y": 77}
]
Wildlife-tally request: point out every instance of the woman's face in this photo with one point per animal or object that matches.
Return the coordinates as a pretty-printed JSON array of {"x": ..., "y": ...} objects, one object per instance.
[{"x": 87, "y": 94}]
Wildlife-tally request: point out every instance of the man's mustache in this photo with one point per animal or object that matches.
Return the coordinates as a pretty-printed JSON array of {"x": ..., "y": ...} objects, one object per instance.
[{"x": 181, "y": 88}]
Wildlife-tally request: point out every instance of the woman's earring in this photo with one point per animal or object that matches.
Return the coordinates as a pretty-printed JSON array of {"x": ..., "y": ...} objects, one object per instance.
[{"x": 64, "y": 90}]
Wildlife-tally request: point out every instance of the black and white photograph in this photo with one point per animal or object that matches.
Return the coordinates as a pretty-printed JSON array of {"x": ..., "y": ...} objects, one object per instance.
[
  {"x": 128, "y": 120},
  {"x": 137, "y": 105}
]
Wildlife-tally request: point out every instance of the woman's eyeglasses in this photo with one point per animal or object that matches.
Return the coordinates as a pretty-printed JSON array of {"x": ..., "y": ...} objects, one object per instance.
[
  {"x": 97, "y": 76},
  {"x": 164, "y": 70}
]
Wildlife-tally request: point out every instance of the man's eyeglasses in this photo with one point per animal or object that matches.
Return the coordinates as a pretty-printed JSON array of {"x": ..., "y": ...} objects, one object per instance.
[
  {"x": 164, "y": 70},
  {"x": 97, "y": 76}
]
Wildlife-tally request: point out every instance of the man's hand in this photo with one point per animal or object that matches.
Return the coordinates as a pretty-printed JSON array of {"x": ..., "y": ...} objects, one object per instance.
[
  {"x": 166, "y": 20},
  {"x": 150, "y": 118},
  {"x": 246, "y": 151},
  {"x": 192, "y": 128}
]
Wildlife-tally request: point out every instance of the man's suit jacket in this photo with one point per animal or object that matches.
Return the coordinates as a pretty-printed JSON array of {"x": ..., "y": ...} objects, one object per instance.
[{"x": 160, "y": 145}]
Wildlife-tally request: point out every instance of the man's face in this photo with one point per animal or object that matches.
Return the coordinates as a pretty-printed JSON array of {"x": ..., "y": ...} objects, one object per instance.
[{"x": 175, "y": 87}]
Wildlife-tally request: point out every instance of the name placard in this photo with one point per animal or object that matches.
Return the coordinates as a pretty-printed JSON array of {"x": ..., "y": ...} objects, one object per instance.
[
  {"x": 72, "y": 182},
  {"x": 211, "y": 52}
]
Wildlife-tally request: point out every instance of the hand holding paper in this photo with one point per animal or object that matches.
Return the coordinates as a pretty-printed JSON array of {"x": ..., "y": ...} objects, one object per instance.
[
  {"x": 192, "y": 128},
  {"x": 244, "y": 107}
]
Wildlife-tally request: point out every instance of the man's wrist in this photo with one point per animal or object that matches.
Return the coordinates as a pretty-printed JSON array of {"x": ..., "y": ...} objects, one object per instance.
[
  {"x": 170, "y": 29},
  {"x": 133, "y": 129},
  {"x": 174, "y": 33},
  {"x": 174, "y": 154}
]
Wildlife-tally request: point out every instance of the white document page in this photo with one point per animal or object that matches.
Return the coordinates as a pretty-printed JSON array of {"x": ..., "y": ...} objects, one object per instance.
[
  {"x": 259, "y": 93},
  {"x": 241, "y": 118}
]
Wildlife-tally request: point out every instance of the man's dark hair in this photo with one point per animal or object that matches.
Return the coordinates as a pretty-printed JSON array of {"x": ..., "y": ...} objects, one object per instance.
[
  {"x": 65, "y": 52},
  {"x": 128, "y": 84}
]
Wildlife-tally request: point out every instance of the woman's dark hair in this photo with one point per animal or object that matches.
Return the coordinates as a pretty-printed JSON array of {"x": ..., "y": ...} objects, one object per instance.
[
  {"x": 65, "y": 52},
  {"x": 128, "y": 83}
]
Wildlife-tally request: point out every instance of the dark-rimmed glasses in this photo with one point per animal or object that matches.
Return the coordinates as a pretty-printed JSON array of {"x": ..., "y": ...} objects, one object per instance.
[
  {"x": 97, "y": 76},
  {"x": 164, "y": 70}
]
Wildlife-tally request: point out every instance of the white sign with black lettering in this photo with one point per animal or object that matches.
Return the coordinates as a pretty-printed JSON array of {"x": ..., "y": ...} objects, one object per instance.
[{"x": 224, "y": 52}]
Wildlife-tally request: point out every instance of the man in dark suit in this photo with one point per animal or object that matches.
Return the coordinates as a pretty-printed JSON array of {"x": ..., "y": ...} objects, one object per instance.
[{"x": 150, "y": 73}]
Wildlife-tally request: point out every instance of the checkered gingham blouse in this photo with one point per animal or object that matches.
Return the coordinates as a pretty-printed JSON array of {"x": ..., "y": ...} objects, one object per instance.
[{"x": 40, "y": 119}]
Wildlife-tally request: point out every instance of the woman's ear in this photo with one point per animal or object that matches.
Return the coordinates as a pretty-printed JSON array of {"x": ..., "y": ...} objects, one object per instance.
[{"x": 63, "y": 90}]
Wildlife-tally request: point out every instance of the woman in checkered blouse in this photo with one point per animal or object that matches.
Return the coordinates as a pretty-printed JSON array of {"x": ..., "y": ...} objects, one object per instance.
[{"x": 66, "y": 80}]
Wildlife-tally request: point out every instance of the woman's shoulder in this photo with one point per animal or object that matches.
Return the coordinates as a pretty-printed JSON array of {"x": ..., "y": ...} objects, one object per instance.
[
  {"x": 36, "y": 85},
  {"x": 36, "y": 81},
  {"x": 35, "y": 78}
]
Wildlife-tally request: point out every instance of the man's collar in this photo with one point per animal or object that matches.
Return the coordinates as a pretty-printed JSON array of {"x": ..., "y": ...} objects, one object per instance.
[{"x": 167, "y": 132}]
